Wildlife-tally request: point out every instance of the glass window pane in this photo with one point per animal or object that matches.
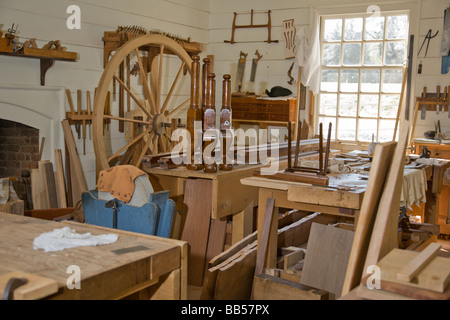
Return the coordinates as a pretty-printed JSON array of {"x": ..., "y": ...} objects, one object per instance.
[
  {"x": 374, "y": 28},
  {"x": 346, "y": 129},
  {"x": 397, "y": 27},
  {"x": 386, "y": 130},
  {"x": 329, "y": 81},
  {"x": 389, "y": 106},
  {"x": 370, "y": 80},
  {"x": 395, "y": 53},
  {"x": 353, "y": 29},
  {"x": 333, "y": 30},
  {"x": 325, "y": 122},
  {"x": 328, "y": 104},
  {"x": 331, "y": 54},
  {"x": 348, "y": 104},
  {"x": 367, "y": 128},
  {"x": 373, "y": 53},
  {"x": 392, "y": 81},
  {"x": 349, "y": 80},
  {"x": 368, "y": 105},
  {"x": 352, "y": 54}
]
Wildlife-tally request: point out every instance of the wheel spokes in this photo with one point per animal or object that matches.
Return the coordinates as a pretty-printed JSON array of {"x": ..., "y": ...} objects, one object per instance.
[
  {"x": 143, "y": 74},
  {"x": 172, "y": 112},
  {"x": 136, "y": 139},
  {"x": 169, "y": 95},
  {"x": 144, "y": 109}
]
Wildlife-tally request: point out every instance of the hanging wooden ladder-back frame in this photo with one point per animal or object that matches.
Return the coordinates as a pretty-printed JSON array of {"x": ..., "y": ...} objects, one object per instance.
[{"x": 157, "y": 108}]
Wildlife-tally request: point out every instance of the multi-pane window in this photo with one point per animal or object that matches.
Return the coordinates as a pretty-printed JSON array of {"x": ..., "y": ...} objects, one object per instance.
[{"x": 363, "y": 59}]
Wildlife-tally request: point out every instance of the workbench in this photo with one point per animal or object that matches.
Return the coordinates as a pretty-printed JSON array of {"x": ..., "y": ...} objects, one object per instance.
[
  {"x": 300, "y": 196},
  {"x": 227, "y": 199},
  {"x": 136, "y": 266}
]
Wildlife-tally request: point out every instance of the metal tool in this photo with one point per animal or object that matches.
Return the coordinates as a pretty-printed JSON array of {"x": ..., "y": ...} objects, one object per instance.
[
  {"x": 254, "y": 65},
  {"x": 13, "y": 284},
  {"x": 427, "y": 39},
  {"x": 115, "y": 205},
  {"x": 240, "y": 70}
]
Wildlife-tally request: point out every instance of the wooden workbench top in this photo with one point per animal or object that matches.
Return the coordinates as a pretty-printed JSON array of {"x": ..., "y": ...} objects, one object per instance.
[{"x": 105, "y": 271}]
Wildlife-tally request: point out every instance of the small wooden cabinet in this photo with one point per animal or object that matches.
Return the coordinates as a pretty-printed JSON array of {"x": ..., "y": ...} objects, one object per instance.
[
  {"x": 441, "y": 151},
  {"x": 260, "y": 110}
]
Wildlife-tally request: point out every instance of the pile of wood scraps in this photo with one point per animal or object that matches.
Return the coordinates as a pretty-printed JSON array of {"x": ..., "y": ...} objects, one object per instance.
[
  {"x": 55, "y": 188},
  {"x": 236, "y": 273}
]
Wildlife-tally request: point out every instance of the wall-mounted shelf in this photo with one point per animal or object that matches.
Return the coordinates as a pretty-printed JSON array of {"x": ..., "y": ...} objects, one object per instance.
[{"x": 47, "y": 58}]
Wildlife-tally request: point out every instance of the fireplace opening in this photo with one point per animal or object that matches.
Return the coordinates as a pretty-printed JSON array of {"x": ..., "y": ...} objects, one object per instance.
[{"x": 19, "y": 153}]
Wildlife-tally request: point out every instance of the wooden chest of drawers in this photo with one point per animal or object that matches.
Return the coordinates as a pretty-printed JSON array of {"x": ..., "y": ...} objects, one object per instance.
[{"x": 252, "y": 109}]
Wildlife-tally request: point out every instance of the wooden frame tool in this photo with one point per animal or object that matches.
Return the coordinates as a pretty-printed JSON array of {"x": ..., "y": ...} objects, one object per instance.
[{"x": 251, "y": 25}]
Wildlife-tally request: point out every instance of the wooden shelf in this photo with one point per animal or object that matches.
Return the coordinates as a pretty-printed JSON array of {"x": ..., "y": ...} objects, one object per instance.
[{"x": 47, "y": 59}]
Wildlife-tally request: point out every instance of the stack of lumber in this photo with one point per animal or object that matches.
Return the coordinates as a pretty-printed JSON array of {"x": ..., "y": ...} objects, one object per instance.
[
  {"x": 58, "y": 186},
  {"x": 9, "y": 202},
  {"x": 230, "y": 275}
]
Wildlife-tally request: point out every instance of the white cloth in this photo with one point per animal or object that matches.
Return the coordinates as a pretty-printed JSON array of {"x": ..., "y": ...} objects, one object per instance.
[
  {"x": 413, "y": 188},
  {"x": 65, "y": 238},
  {"x": 308, "y": 56}
]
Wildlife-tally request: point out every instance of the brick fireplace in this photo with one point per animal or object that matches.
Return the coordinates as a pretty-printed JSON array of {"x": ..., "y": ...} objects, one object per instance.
[
  {"x": 19, "y": 145},
  {"x": 28, "y": 115}
]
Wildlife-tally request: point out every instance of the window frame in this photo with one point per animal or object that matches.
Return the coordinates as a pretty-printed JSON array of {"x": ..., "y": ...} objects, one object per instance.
[{"x": 381, "y": 67}]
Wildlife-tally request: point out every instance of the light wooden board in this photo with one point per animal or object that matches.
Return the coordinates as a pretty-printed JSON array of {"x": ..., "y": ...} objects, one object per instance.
[
  {"x": 38, "y": 194},
  {"x": 378, "y": 171},
  {"x": 326, "y": 258},
  {"x": 197, "y": 199},
  {"x": 435, "y": 275},
  {"x": 49, "y": 183},
  {"x": 267, "y": 287},
  {"x": 60, "y": 181},
  {"x": 78, "y": 177},
  {"x": 384, "y": 236}
]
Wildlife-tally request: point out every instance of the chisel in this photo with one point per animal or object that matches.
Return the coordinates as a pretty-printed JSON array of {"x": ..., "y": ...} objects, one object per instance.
[{"x": 438, "y": 97}]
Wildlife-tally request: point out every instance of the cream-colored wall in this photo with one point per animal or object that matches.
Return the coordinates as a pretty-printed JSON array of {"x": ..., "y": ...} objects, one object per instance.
[{"x": 205, "y": 21}]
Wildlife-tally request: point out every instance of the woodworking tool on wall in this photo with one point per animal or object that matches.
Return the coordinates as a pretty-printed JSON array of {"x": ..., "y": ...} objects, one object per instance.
[
  {"x": 254, "y": 65},
  {"x": 240, "y": 70},
  {"x": 424, "y": 106},
  {"x": 427, "y": 39},
  {"x": 438, "y": 97}
]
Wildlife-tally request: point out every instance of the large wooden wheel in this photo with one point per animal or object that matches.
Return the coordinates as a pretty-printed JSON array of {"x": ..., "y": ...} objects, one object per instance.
[{"x": 153, "y": 102}]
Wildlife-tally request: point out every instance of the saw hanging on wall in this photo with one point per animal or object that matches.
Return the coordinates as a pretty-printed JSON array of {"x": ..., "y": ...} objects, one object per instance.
[
  {"x": 254, "y": 65},
  {"x": 240, "y": 70}
]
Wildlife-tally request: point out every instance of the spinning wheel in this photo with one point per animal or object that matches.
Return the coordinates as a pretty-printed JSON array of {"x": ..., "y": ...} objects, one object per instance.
[{"x": 154, "y": 99}]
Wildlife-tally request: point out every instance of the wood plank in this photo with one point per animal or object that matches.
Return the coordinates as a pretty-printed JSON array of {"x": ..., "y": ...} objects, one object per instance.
[
  {"x": 263, "y": 241},
  {"x": 234, "y": 279},
  {"x": 216, "y": 239},
  {"x": 38, "y": 190},
  {"x": 434, "y": 276},
  {"x": 384, "y": 236},
  {"x": 267, "y": 287},
  {"x": 375, "y": 185},
  {"x": 49, "y": 182},
  {"x": 59, "y": 180},
  {"x": 326, "y": 258},
  {"x": 197, "y": 199},
  {"x": 416, "y": 265},
  {"x": 78, "y": 177},
  {"x": 324, "y": 196}
]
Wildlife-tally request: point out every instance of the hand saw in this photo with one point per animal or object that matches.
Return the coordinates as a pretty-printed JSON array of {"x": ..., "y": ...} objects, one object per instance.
[
  {"x": 254, "y": 65},
  {"x": 240, "y": 70}
]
